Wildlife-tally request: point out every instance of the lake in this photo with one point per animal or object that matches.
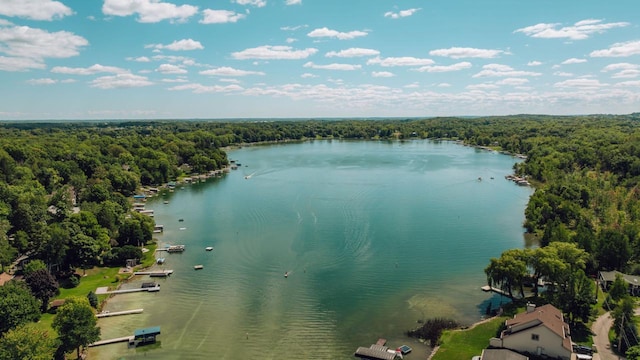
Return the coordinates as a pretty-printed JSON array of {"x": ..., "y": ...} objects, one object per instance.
[{"x": 374, "y": 236}]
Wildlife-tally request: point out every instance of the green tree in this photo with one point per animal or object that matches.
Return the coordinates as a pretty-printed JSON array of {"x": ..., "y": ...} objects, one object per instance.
[
  {"x": 633, "y": 353},
  {"x": 32, "y": 266},
  {"x": 17, "y": 306},
  {"x": 75, "y": 323},
  {"x": 624, "y": 325},
  {"x": 613, "y": 250},
  {"x": 619, "y": 288},
  {"x": 27, "y": 342}
]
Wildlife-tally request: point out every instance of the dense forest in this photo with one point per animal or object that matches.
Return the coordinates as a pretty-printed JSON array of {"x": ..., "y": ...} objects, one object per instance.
[{"x": 66, "y": 188}]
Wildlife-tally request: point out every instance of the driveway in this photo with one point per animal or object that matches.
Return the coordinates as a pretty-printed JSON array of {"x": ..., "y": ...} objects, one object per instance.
[{"x": 600, "y": 329}]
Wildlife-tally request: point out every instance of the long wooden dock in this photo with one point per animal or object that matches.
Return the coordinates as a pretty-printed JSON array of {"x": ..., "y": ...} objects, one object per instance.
[
  {"x": 116, "y": 313},
  {"x": 488, "y": 288},
  {"x": 105, "y": 290},
  {"x": 112, "y": 341},
  {"x": 161, "y": 273}
]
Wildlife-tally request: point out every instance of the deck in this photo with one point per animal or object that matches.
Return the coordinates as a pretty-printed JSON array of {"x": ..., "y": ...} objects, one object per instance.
[
  {"x": 163, "y": 273},
  {"x": 117, "y": 313},
  {"x": 105, "y": 290},
  {"x": 112, "y": 341}
]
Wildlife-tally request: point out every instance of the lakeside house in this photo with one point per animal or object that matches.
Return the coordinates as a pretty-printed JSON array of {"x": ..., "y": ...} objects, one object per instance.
[
  {"x": 540, "y": 330},
  {"x": 501, "y": 354},
  {"x": 607, "y": 278}
]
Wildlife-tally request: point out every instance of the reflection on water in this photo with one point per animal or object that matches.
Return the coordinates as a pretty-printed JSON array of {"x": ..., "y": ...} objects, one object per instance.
[{"x": 374, "y": 236}]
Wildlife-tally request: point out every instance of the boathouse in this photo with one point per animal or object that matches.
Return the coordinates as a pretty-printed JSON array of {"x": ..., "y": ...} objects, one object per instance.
[
  {"x": 375, "y": 352},
  {"x": 146, "y": 335}
]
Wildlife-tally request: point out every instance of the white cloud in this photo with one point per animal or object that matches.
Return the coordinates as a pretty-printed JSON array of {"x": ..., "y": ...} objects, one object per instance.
[
  {"x": 256, "y": 3},
  {"x": 43, "y": 81},
  {"x": 325, "y": 32},
  {"x": 445, "y": 68},
  {"x": 293, "y": 28},
  {"x": 293, "y": 2},
  {"x": 512, "y": 81},
  {"x": 35, "y": 9},
  {"x": 579, "y": 31},
  {"x": 384, "y": 74},
  {"x": 176, "y": 80},
  {"x": 579, "y": 83},
  {"x": 345, "y": 67},
  {"x": 635, "y": 83},
  {"x": 562, "y": 73},
  {"x": 463, "y": 52},
  {"x": 483, "y": 86},
  {"x": 413, "y": 85},
  {"x": 20, "y": 63},
  {"x": 401, "y": 13},
  {"x": 400, "y": 61},
  {"x": 268, "y": 52},
  {"x": 28, "y": 47},
  {"x": 443, "y": 85},
  {"x": 619, "y": 50},
  {"x": 220, "y": 16},
  {"x": 534, "y": 63},
  {"x": 91, "y": 70},
  {"x": 353, "y": 52},
  {"x": 291, "y": 40},
  {"x": 628, "y": 73},
  {"x": 120, "y": 81},
  {"x": 178, "y": 45},
  {"x": 500, "y": 70},
  {"x": 308, "y": 76},
  {"x": 149, "y": 11},
  {"x": 172, "y": 58},
  {"x": 201, "y": 89},
  {"x": 139, "y": 59},
  {"x": 620, "y": 66},
  {"x": 171, "y": 69},
  {"x": 229, "y": 71},
  {"x": 573, "y": 61}
]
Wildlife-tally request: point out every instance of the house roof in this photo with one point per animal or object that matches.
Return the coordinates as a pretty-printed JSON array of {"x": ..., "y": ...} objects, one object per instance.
[
  {"x": 501, "y": 354},
  {"x": 4, "y": 277},
  {"x": 548, "y": 316},
  {"x": 155, "y": 330},
  {"x": 373, "y": 353},
  {"x": 610, "y": 276}
]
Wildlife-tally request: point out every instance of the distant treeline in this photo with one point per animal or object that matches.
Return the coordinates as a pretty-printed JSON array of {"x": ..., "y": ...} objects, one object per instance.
[{"x": 586, "y": 170}]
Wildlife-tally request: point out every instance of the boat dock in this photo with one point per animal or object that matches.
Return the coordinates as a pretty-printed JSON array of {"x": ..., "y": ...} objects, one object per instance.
[
  {"x": 105, "y": 290},
  {"x": 162, "y": 273},
  {"x": 117, "y": 313},
  {"x": 128, "y": 339},
  {"x": 488, "y": 288}
]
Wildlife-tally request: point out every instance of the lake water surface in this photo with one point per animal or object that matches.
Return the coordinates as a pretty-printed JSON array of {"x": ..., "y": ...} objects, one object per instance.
[{"x": 374, "y": 236}]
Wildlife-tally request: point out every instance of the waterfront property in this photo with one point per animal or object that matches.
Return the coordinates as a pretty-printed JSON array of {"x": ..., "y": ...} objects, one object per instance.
[
  {"x": 608, "y": 277},
  {"x": 539, "y": 330},
  {"x": 146, "y": 335},
  {"x": 501, "y": 354}
]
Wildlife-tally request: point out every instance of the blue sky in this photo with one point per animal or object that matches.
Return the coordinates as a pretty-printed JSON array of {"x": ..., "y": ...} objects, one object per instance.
[{"x": 174, "y": 59}]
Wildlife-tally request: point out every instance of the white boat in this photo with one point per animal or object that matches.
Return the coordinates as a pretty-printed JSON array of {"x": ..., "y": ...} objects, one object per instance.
[
  {"x": 209, "y": 248},
  {"x": 198, "y": 267},
  {"x": 286, "y": 274}
]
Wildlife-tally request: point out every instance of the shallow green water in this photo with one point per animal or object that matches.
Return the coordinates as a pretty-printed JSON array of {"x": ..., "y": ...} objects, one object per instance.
[{"x": 374, "y": 235}]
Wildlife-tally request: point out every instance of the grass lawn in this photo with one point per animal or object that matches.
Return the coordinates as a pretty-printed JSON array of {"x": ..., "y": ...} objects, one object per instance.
[{"x": 464, "y": 344}]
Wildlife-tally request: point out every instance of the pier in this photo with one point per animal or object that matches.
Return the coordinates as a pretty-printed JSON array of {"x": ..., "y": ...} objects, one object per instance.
[
  {"x": 488, "y": 288},
  {"x": 105, "y": 290},
  {"x": 162, "y": 273},
  {"x": 117, "y": 313},
  {"x": 128, "y": 339}
]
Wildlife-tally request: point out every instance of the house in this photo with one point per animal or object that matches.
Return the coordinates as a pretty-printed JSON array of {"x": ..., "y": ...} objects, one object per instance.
[
  {"x": 540, "y": 330},
  {"x": 607, "y": 278},
  {"x": 501, "y": 354}
]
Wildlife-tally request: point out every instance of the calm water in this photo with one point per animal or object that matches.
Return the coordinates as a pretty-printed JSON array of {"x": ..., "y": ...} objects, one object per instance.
[{"x": 374, "y": 235}]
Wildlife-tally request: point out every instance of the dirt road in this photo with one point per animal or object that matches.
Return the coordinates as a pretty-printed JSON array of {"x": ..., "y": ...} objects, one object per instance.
[{"x": 600, "y": 330}]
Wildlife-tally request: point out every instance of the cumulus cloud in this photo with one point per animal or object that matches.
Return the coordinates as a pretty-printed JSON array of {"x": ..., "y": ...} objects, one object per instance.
[
  {"x": 229, "y": 71},
  {"x": 179, "y": 45},
  {"x": 400, "y": 61},
  {"x": 256, "y": 3},
  {"x": 512, "y": 81},
  {"x": 384, "y": 74},
  {"x": 35, "y": 9},
  {"x": 139, "y": 59},
  {"x": 120, "y": 81},
  {"x": 445, "y": 68},
  {"x": 619, "y": 50},
  {"x": 293, "y": 2},
  {"x": 220, "y": 16},
  {"x": 635, "y": 83},
  {"x": 43, "y": 81},
  {"x": 465, "y": 52},
  {"x": 353, "y": 52},
  {"x": 308, "y": 76},
  {"x": 149, "y": 11},
  {"x": 401, "y": 13},
  {"x": 579, "y": 83},
  {"x": 269, "y": 52},
  {"x": 578, "y": 31},
  {"x": 499, "y": 70},
  {"x": 573, "y": 61},
  {"x": 534, "y": 63},
  {"x": 170, "y": 69},
  {"x": 344, "y": 67},
  {"x": 326, "y": 32},
  {"x": 91, "y": 70},
  {"x": 563, "y": 74},
  {"x": 623, "y": 70},
  {"x": 27, "y": 47},
  {"x": 201, "y": 89}
]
